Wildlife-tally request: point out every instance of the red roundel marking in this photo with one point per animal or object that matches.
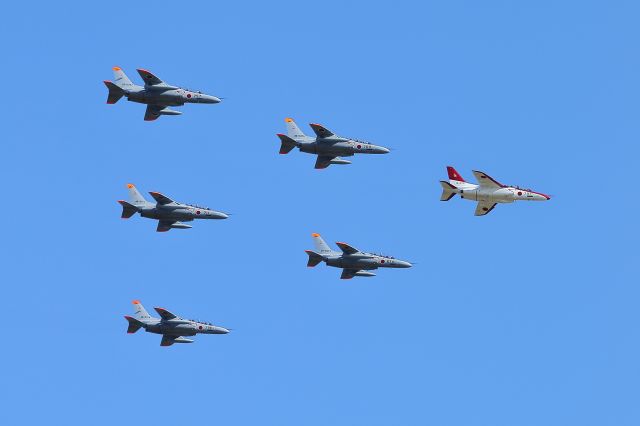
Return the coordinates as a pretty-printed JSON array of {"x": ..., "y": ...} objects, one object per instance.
[
  {"x": 188, "y": 95},
  {"x": 382, "y": 261},
  {"x": 200, "y": 327},
  {"x": 519, "y": 193},
  {"x": 198, "y": 212},
  {"x": 359, "y": 146}
]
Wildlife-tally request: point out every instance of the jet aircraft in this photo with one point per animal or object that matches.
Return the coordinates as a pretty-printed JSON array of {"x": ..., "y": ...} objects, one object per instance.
[
  {"x": 157, "y": 94},
  {"x": 488, "y": 192},
  {"x": 354, "y": 263},
  {"x": 327, "y": 145},
  {"x": 169, "y": 213},
  {"x": 171, "y": 326}
]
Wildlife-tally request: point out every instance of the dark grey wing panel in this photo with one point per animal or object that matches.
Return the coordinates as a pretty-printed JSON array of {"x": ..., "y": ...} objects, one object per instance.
[
  {"x": 153, "y": 112},
  {"x": 323, "y": 161},
  {"x": 321, "y": 131},
  {"x": 164, "y": 225},
  {"x": 347, "y": 274},
  {"x": 149, "y": 78},
  {"x": 167, "y": 340},
  {"x": 160, "y": 198}
]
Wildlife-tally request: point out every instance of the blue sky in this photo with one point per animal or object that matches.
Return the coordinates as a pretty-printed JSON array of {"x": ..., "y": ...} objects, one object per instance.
[{"x": 527, "y": 316}]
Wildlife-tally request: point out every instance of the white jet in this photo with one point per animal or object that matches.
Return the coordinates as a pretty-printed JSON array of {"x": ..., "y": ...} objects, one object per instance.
[{"x": 488, "y": 192}]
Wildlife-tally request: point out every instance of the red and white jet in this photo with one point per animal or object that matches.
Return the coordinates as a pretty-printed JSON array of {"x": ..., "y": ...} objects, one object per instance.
[{"x": 488, "y": 192}]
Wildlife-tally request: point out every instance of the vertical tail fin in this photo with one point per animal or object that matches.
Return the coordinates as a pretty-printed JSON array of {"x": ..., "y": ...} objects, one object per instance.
[
  {"x": 293, "y": 131},
  {"x": 120, "y": 79},
  {"x": 454, "y": 175},
  {"x": 135, "y": 198},
  {"x": 141, "y": 313},
  {"x": 321, "y": 247}
]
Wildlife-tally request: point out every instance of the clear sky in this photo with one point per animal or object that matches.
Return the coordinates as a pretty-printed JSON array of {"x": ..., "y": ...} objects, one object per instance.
[{"x": 528, "y": 316}]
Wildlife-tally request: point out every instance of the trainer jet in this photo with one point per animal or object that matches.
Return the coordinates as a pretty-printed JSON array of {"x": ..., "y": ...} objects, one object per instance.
[
  {"x": 169, "y": 213},
  {"x": 157, "y": 94},
  {"x": 171, "y": 326},
  {"x": 354, "y": 263},
  {"x": 327, "y": 145},
  {"x": 488, "y": 192}
]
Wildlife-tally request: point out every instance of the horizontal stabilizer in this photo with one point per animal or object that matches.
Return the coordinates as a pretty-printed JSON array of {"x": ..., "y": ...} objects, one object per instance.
[
  {"x": 448, "y": 190},
  {"x": 314, "y": 258},
  {"x": 134, "y": 324},
  {"x": 128, "y": 209},
  {"x": 115, "y": 93},
  {"x": 286, "y": 143}
]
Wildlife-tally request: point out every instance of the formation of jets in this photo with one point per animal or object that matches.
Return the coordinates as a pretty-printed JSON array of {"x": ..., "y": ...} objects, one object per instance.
[
  {"x": 172, "y": 327},
  {"x": 329, "y": 149}
]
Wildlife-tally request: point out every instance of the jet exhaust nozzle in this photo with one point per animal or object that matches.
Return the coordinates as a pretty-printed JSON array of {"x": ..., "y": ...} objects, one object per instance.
[{"x": 364, "y": 274}]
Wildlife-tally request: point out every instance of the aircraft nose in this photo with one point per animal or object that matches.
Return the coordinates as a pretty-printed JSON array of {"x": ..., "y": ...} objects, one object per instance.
[
  {"x": 403, "y": 264},
  {"x": 381, "y": 150},
  {"x": 220, "y": 215},
  {"x": 222, "y": 330},
  {"x": 208, "y": 99}
]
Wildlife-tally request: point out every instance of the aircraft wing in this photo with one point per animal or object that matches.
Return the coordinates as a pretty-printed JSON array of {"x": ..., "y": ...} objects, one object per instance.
[
  {"x": 486, "y": 181},
  {"x": 152, "y": 112},
  {"x": 168, "y": 340},
  {"x": 484, "y": 207},
  {"x": 165, "y": 225},
  {"x": 347, "y": 274},
  {"x": 323, "y": 161},
  {"x": 164, "y": 314},
  {"x": 347, "y": 249},
  {"x": 161, "y": 199},
  {"x": 149, "y": 78},
  {"x": 321, "y": 131}
]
